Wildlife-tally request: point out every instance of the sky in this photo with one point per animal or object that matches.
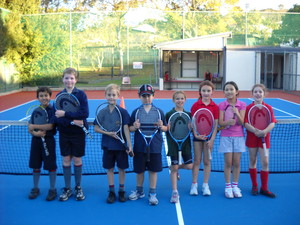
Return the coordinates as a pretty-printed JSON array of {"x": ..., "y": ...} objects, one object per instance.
[{"x": 265, "y": 4}]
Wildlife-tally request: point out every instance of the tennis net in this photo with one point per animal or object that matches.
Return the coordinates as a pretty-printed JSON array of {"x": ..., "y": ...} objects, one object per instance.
[{"x": 15, "y": 149}]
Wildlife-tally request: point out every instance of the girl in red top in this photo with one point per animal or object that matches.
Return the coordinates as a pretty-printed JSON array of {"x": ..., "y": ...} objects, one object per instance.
[
  {"x": 202, "y": 146},
  {"x": 254, "y": 144}
]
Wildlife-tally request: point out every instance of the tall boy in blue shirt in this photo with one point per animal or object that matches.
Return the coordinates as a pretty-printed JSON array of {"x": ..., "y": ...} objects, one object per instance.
[{"x": 71, "y": 136}]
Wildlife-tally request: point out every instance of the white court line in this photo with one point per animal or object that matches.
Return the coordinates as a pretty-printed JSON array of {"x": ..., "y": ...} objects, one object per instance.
[
  {"x": 286, "y": 113},
  {"x": 177, "y": 205},
  {"x": 285, "y": 117},
  {"x": 289, "y": 101},
  {"x": 3, "y": 128},
  {"x": 17, "y": 106}
]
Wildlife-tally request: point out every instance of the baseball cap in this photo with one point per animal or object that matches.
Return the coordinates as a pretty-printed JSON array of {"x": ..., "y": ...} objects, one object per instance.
[{"x": 146, "y": 89}]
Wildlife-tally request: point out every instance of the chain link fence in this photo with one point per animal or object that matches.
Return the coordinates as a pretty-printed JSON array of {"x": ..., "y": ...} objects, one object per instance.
[{"x": 107, "y": 46}]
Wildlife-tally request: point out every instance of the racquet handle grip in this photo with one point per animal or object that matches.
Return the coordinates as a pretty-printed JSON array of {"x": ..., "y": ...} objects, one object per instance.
[{"x": 130, "y": 154}]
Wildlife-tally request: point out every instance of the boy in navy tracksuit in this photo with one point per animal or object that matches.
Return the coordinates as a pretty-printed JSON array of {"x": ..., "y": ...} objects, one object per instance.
[{"x": 71, "y": 136}]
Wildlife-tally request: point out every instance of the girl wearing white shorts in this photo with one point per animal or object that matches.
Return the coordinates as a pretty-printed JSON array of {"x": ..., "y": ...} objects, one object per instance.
[{"x": 232, "y": 142}]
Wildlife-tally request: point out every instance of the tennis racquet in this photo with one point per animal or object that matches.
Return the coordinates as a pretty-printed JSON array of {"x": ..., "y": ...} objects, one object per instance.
[
  {"x": 69, "y": 103},
  {"x": 148, "y": 125},
  {"x": 259, "y": 117},
  {"x": 109, "y": 118},
  {"x": 180, "y": 129},
  {"x": 229, "y": 114},
  {"x": 39, "y": 116},
  {"x": 203, "y": 123}
]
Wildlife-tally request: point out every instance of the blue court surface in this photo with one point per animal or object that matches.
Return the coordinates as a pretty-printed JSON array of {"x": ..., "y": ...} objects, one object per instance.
[
  {"x": 283, "y": 109},
  {"x": 16, "y": 208}
]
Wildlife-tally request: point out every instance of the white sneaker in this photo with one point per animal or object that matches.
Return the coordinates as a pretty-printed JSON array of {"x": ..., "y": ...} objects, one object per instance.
[
  {"x": 194, "y": 189},
  {"x": 237, "y": 192},
  {"x": 175, "y": 197},
  {"x": 228, "y": 193},
  {"x": 205, "y": 190},
  {"x": 152, "y": 199},
  {"x": 136, "y": 195}
]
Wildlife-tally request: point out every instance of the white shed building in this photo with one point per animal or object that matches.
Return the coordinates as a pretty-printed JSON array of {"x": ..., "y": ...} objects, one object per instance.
[{"x": 186, "y": 61}]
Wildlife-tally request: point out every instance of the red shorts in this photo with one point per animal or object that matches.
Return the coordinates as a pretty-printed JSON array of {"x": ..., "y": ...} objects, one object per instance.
[{"x": 255, "y": 142}]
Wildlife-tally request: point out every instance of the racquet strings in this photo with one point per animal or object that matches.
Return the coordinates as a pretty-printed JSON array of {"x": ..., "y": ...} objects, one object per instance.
[
  {"x": 204, "y": 122},
  {"x": 39, "y": 116},
  {"x": 259, "y": 117},
  {"x": 67, "y": 102},
  {"x": 109, "y": 120},
  {"x": 229, "y": 114},
  {"x": 148, "y": 120},
  {"x": 179, "y": 126}
]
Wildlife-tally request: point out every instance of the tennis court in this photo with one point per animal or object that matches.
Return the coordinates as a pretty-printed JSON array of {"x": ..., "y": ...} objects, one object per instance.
[
  {"x": 283, "y": 109},
  {"x": 285, "y": 181}
]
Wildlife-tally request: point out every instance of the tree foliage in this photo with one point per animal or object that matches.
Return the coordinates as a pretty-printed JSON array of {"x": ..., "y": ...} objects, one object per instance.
[
  {"x": 289, "y": 31},
  {"x": 21, "y": 45}
]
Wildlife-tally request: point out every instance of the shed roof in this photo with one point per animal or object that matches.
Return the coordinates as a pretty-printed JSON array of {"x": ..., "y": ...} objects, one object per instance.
[
  {"x": 206, "y": 42},
  {"x": 274, "y": 49}
]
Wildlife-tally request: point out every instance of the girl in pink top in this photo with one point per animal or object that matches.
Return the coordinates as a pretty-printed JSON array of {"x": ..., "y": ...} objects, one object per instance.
[{"x": 232, "y": 142}]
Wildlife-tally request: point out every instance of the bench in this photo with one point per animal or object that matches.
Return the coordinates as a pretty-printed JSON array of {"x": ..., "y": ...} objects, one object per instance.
[
  {"x": 191, "y": 84},
  {"x": 182, "y": 83},
  {"x": 126, "y": 82},
  {"x": 217, "y": 82}
]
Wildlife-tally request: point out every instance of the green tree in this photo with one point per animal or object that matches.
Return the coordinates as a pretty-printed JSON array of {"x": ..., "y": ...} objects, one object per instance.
[
  {"x": 289, "y": 32},
  {"x": 55, "y": 41},
  {"x": 199, "y": 5},
  {"x": 22, "y": 46}
]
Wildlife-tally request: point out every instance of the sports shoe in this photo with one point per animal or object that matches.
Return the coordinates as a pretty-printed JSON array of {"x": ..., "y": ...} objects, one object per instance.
[
  {"x": 237, "y": 192},
  {"x": 111, "y": 197},
  {"x": 136, "y": 195},
  {"x": 175, "y": 197},
  {"x": 254, "y": 190},
  {"x": 152, "y": 199},
  {"x": 194, "y": 189},
  {"x": 122, "y": 197},
  {"x": 51, "y": 195},
  {"x": 228, "y": 193},
  {"x": 205, "y": 190},
  {"x": 267, "y": 193},
  {"x": 66, "y": 194},
  {"x": 34, "y": 193},
  {"x": 79, "y": 193}
]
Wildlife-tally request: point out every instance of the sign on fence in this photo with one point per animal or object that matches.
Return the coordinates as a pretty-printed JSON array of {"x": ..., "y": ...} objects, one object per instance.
[{"x": 138, "y": 65}]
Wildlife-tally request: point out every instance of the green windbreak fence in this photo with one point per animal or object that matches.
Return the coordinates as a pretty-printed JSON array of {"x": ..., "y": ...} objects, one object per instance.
[{"x": 106, "y": 46}]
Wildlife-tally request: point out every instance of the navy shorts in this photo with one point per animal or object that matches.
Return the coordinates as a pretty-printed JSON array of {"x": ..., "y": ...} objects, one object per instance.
[
  {"x": 187, "y": 159},
  {"x": 72, "y": 144},
  {"x": 38, "y": 154},
  {"x": 141, "y": 165},
  {"x": 111, "y": 157},
  {"x": 198, "y": 140}
]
